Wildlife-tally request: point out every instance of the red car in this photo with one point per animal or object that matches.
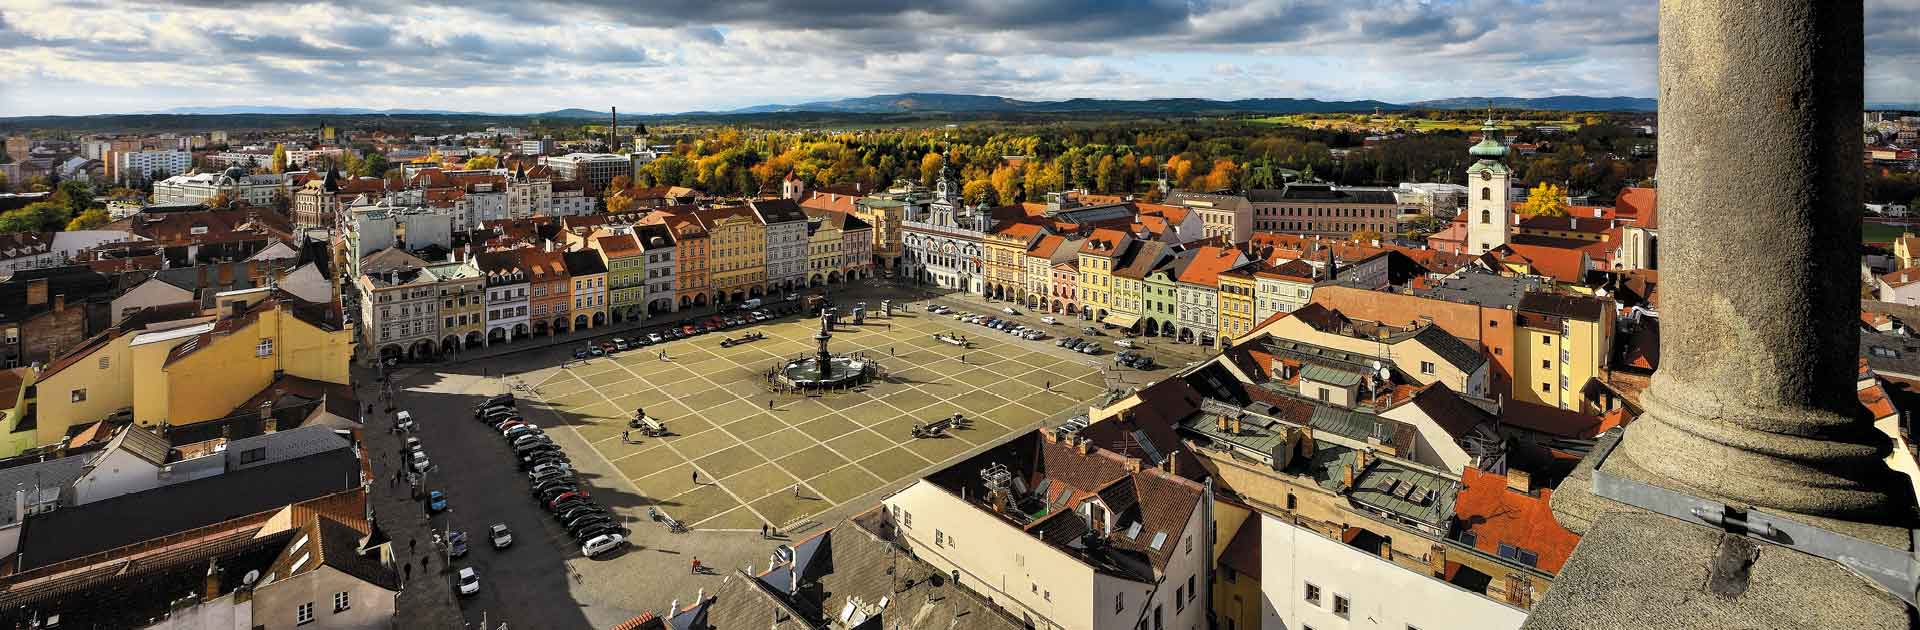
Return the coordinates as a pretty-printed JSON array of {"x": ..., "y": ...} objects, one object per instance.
[
  {"x": 568, "y": 495},
  {"x": 688, "y": 329}
]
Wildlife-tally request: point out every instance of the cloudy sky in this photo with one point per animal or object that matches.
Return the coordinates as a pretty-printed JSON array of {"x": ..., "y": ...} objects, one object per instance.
[{"x": 103, "y": 56}]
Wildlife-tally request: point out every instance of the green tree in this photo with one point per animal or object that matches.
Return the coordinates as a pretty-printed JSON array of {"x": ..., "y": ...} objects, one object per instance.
[
  {"x": 371, "y": 165},
  {"x": 279, "y": 163},
  {"x": 91, "y": 219},
  {"x": 41, "y": 216},
  {"x": 76, "y": 194}
]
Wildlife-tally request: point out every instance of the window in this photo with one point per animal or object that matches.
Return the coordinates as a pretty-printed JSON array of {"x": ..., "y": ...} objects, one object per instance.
[
  {"x": 1426, "y": 367},
  {"x": 1191, "y": 591},
  {"x": 80, "y": 395},
  {"x": 1313, "y": 594},
  {"x": 1546, "y": 364},
  {"x": 909, "y": 519},
  {"x": 304, "y": 614},
  {"x": 1323, "y": 394},
  {"x": 105, "y": 362},
  {"x": 1486, "y": 216},
  {"x": 1157, "y": 623},
  {"x": 1179, "y": 598},
  {"x": 939, "y": 539},
  {"x": 1544, "y": 340},
  {"x": 1341, "y": 606},
  {"x": 1486, "y": 194},
  {"x": 1493, "y": 323},
  {"x": 1119, "y": 602},
  {"x": 253, "y": 455},
  {"x": 1546, "y": 388},
  {"x": 1468, "y": 538},
  {"x": 340, "y": 601}
]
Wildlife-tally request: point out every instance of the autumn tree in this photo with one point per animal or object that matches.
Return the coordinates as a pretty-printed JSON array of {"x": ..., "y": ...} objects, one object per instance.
[
  {"x": 620, "y": 183},
  {"x": 930, "y": 165},
  {"x": 1545, "y": 200},
  {"x": 1366, "y": 235},
  {"x": 618, "y": 202},
  {"x": 91, "y": 219},
  {"x": 219, "y": 200},
  {"x": 482, "y": 163},
  {"x": 1221, "y": 176},
  {"x": 979, "y": 191},
  {"x": 279, "y": 159}
]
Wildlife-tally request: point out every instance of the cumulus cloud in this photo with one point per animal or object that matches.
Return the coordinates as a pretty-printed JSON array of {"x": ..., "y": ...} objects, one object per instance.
[{"x": 90, "y": 56}]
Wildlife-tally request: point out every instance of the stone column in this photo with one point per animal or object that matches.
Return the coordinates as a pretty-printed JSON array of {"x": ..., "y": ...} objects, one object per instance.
[{"x": 1760, "y": 180}]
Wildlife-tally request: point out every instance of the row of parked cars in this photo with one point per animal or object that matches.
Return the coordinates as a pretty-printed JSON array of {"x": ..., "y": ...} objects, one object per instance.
[
  {"x": 551, "y": 479},
  {"x": 1133, "y": 359},
  {"x": 1003, "y": 325},
  {"x": 1082, "y": 346},
  {"x": 682, "y": 331}
]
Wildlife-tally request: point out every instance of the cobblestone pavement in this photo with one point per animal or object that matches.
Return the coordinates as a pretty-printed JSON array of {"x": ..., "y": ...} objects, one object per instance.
[
  {"x": 543, "y": 581},
  {"x": 427, "y": 598}
]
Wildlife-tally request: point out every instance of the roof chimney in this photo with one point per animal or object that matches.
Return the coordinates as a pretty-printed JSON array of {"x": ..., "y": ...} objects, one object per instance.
[
  {"x": 1519, "y": 480},
  {"x": 1386, "y": 550},
  {"x": 1437, "y": 560},
  {"x": 1348, "y": 478}
]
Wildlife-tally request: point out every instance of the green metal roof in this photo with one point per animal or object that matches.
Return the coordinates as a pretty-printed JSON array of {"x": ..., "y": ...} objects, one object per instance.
[
  {"x": 1406, "y": 491},
  {"x": 1332, "y": 376}
]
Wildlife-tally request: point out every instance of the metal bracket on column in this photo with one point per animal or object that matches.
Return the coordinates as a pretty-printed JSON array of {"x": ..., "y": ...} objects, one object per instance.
[{"x": 1896, "y": 570}]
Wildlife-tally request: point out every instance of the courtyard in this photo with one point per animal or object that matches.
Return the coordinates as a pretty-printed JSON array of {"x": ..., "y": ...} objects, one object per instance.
[{"x": 740, "y": 456}]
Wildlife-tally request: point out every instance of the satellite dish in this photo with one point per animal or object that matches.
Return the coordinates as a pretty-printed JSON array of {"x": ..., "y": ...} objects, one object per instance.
[
  {"x": 250, "y": 578},
  {"x": 1385, "y": 374}
]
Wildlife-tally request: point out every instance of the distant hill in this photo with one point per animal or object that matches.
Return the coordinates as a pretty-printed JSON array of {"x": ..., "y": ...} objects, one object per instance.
[
  {"x": 223, "y": 110},
  {"x": 1560, "y": 103},
  {"x": 919, "y": 102}
]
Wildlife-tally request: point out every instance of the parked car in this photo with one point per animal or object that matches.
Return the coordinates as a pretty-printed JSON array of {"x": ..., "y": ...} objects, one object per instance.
[
  {"x": 1090, "y": 330},
  {"x": 491, "y": 409},
  {"x": 543, "y": 457},
  {"x": 1010, "y": 311},
  {"x": 653, "y": 338},
  {"x": 595, "y": 350},
  {"x": 1090, "y": 348},
  {"x": 530, "y": 436},
  {"x": 578, "y": 511},
  {"x": 584, "y": 521},
  {"x": 500, "y": 535},
  {"x": 539, "y": 487},
  {"x": 469, "y": 581},
  {"x": 436, "y": 502},
  {"x": 562, "y": 497},
  {"x": 413, "y": 444},
  {"x": 536, "y": 447},
  {"x": 569, "y": 503},
  {"x": 457, "y": 545},
  {"x": 1048, "y": 319},
  {"x": 1126, "y": 343},
  {"x": 419, "y": 461},
  {"x": 545, "y": 468},
  {"x": 521, "y": 430},
  {"x": 1063, "y": 342},
  {"x": 596, "y": 546},
  {"x": 600, "y": 529},
  {"x": 553, "y": 490}
]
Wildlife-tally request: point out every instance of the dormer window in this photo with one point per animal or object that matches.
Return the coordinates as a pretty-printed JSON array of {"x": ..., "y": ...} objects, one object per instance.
[{"x": 1099, "y": 518}]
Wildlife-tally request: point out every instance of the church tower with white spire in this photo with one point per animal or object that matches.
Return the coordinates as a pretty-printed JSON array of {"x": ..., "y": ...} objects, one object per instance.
[{"x": 1489, "y": 222}]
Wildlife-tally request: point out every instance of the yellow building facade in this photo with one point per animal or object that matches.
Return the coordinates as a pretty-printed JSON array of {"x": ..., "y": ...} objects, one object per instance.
[
  {"x": 1236, "y": 305},
  {"x": 1098, "y": 255},
  {"x": 736, "y": 252},
  {"x": 1560, "y": 343},
  {"x": 187, "y": 371}
]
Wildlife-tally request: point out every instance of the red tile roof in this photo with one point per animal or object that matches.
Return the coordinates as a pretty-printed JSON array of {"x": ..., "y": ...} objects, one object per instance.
[{"x": 1497, "y": 515}]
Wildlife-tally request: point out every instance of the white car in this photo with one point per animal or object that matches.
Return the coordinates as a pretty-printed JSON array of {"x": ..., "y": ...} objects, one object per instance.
[
  {"x": 543, "y": 469},
  {"x": 1049, "y": 320},
  {"x": 469, "y": 581},
  {"x": 419, "y": 461},
  {"x": 500, "y": 535},
  {"x": 1124, "y": 343},
  {"x": 602, "y": 544},
  {"x": 413, "y": 444},
  {"x": 1009, "y": 310}
]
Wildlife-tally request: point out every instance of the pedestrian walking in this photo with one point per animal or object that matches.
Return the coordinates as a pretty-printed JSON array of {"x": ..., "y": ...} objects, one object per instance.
[
  {"x": 1049, "y": 385},
  {"x": 796, "y": 491},
  {"x": 696, "y": 477},
  {"x": 763, "y": 530},
  {"x": 412, "y": 544},
  {"x": 407, "y": 571},
  {"x": 696, "y": 566},
  {"x": 769, "y": 404}
]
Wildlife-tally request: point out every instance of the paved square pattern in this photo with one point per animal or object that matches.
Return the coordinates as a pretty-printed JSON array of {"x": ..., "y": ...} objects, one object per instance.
[{"x": 740, "y": 456}]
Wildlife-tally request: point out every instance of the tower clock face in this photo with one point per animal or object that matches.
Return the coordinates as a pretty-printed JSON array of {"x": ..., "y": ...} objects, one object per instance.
[{"x": 1486, "y": 175}]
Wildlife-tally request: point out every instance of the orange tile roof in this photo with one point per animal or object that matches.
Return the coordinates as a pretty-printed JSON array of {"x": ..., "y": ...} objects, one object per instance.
[
  {"x": 1208, "y": 263},
  {"x": 1103, "y": 242},
  {"x": 1497, "y": 515},
  {"x": 1045, "y": 247},
  {"x": 1560, "y": 259},
  {"x": 1640, "y": 204},
  {"x": 1901, "y": 278}
]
